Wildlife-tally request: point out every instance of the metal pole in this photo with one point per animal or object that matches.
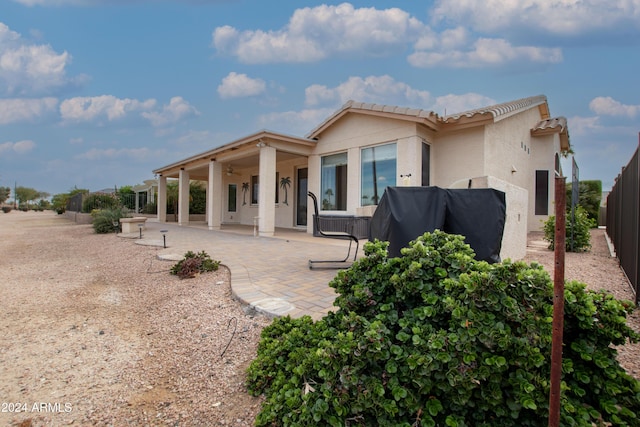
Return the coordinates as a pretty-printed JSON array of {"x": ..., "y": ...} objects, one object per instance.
[{"x": 558, "y": 303}]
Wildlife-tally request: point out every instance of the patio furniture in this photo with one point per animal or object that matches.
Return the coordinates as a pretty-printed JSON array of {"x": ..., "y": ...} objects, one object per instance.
[{"x": 347, "y": 234}]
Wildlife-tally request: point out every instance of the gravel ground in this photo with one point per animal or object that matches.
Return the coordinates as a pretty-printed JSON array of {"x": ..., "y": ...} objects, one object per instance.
[{"x": 95, "y": 331}]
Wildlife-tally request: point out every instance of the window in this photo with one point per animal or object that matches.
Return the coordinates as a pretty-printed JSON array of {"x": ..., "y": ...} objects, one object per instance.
[
  {"x": 542, "y": 192},
  {"x": 232, "y": 197},
  {"x": 378, "y": 171},
  {"x": 426, "y": 162},
  {"x": 334, "y": 182},
  {"x": 255, "y": 187},
  {"x": 277, "y": 186}
]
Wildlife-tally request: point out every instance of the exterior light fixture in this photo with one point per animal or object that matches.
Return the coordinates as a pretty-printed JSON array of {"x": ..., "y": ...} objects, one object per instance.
[
  {"x": 140, "y": 228},
  {"x": 164, "y": 237}
]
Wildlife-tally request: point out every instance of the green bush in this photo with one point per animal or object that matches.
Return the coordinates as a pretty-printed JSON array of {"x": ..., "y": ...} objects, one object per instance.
[
  {"x": 435, "y": 338},
  {"x": 581, "y": 231},
  {"x": 589, "y": 196},
  {"x": 193, "y": 264},
  {"x": 100, "y": 201},
  {"x": 108, "y": 220}
]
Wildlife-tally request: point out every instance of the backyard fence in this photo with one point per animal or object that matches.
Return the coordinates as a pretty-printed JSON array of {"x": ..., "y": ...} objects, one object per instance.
[{"x": 623, "y": 218}]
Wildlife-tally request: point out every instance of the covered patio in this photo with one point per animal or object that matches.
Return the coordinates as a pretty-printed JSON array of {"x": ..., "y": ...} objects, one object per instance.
[{"x": 258, "y": 181}]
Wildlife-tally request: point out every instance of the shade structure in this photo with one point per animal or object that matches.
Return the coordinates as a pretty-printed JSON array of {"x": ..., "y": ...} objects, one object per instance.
[{"x": 404, "y": 213}]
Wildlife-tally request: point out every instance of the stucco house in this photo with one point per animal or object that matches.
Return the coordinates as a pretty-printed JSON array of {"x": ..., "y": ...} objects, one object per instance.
[{"x": 351, "y": 157}]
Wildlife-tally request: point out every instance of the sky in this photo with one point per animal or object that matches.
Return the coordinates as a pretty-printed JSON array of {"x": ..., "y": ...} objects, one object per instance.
[{"x": 96, "y": 94}]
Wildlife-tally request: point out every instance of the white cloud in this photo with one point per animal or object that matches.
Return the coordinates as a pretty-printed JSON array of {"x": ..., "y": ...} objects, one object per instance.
[
  {"x": 23, "y": 109},
  {"x": 177, "y": 110},
  {"x": 236, "y": 85},
  {"x": 377, "y": 89},
  {"x": 20, "y": 147},
  {"x": 583, "y": 125},
  {"x": 294, "y": 122},
  {"x": 557, "y": 17},
  {"x": 113, "y": 153},
  {"x": 31, "y": 68},
  {"x": 315, "y": 33},
  {"x": 486, "y": 53},
  {"x": 451, "y": 104},
  {"x": 86, "y": 109},
  {"x": 605, "y": 105},
  {"x": 191, "y": 137}
]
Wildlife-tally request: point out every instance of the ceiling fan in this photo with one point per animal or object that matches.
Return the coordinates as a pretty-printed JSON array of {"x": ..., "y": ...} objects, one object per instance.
[{"x": 230, "y": 171}]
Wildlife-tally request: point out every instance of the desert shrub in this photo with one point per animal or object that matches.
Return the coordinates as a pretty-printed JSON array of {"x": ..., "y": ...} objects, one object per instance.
[
  {"x": 435, "y": 338},
  {"x": 108, "y": 220},
  {"x": 193, "y": 264},
  {"x": 6, "y": 209},
  {"x": 100, "y": 201},
  {"x": 580, "y": 229}
]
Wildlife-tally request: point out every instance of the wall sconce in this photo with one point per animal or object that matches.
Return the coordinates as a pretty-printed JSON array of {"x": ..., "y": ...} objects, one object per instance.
[{"x": 406, "y": 179}]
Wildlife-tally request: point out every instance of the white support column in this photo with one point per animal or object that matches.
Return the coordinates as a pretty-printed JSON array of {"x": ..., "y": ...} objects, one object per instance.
[
  {"x": 313, "y": 185},
  {"x": 214, "y": 196},
  {"x": 137, "y": 201},
  {"x": 162, "y": 199},
  {"x": 267, "y": 191},
  {"x": 183, "y": 198}
]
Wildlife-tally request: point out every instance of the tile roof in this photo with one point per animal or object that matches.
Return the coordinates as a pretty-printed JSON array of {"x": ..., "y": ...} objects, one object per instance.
[
  {"x": 499, "y": 111},
  {"x": 430, "y": 118},
  {"x": 554, "y": 123}
]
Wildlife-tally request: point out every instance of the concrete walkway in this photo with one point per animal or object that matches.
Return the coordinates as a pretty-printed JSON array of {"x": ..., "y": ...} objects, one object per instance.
[{"x": 270, "y": 274}]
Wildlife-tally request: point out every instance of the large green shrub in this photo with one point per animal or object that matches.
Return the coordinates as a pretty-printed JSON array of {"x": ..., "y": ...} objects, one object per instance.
[
  {"x": 108, "y": 220},
  {"x": 435, "y": 338},
  {"x": 589, "y": 197},
  {"x": 578, "y": 233}
]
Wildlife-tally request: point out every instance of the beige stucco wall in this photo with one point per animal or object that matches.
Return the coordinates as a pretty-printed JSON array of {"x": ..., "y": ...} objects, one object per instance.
[
  {"x": 457, "y": 156},
  {"x": 544, "y": 148},
  {"x": 352, "y": 133},
  {"x": 514, "y": 238}
]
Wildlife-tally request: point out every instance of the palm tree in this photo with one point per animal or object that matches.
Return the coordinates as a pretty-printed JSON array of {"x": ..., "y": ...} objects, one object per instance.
[
  {"x": 329, "y": 193},
  {"x": 284, "y": 184},
  {"x": 245, "y": 188}
]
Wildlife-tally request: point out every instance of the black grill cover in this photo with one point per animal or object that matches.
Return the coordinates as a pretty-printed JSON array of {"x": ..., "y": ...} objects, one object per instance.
[{"x": 404, "y": 213}]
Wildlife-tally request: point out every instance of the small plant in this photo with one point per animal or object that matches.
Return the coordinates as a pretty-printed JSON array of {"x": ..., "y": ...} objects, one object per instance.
[
  {"x": 581, "y": 231},
  {"x": 108, "y": 220},
  {"x": 6, "y": 209},
  {"x": 193, "y": 264}
]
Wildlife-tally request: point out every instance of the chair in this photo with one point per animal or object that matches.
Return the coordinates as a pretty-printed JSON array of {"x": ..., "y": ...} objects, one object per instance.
[{"x": 340, "y": 235}]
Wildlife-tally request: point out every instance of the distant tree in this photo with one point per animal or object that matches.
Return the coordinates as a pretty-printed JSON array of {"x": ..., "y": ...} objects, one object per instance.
[
  {"x": 589, "y": 197},
  {"x": 197, "y": 198},
  {"x": 4, "y": 194},
  {"x": 127, "y": 197},
  {"x": 24, "y": 195}
]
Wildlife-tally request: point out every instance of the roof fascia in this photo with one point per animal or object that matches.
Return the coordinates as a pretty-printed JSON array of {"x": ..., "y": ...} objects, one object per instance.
[{"x": 242, "y": 143}]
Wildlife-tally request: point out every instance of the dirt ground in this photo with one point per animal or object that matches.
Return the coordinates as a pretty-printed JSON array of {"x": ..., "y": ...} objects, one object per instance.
[{"x": 95, "y": 331}]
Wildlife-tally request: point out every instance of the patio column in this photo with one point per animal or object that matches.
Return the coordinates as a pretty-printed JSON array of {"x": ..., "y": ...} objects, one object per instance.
[
  {"x": 183, "y": 198},
  {"x": 267, "y": 191},
  {"x": 214, "y": 196},
  {"x": 162, "y": 199}
]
